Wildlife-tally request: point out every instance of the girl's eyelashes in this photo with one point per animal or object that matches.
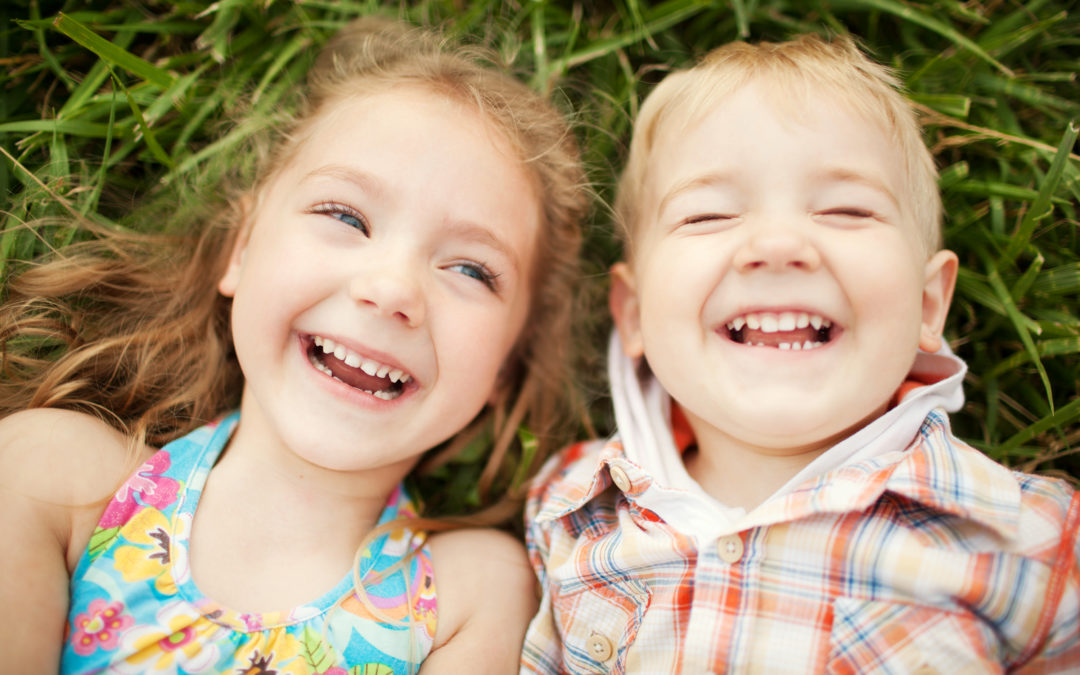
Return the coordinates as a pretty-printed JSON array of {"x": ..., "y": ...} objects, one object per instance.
[
  {"x": 344, "y": 214},
  {"x": 478, "y": 271}
]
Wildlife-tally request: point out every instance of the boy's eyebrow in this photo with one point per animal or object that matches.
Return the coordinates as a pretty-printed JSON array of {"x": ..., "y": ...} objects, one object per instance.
[
  {"x": 870, "y": 180},
  {"x": 711, "y": 179},
  {"x": 838, "y": 174}
]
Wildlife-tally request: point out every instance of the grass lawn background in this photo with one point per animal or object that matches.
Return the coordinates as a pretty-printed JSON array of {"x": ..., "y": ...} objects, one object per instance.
[{"x": 125, "y": 110}]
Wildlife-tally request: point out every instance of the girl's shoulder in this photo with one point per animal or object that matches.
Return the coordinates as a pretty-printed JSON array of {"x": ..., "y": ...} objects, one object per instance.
[
  {"x": 61, "y": 466},
  {"x": 57, "y": 469},
  {"x": 487, "y": 595}
]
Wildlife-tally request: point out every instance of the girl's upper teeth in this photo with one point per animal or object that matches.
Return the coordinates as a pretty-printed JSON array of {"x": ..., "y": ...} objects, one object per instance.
[
  {"x": 773, "y": 322},
  {"x": 354, "y": 360}
]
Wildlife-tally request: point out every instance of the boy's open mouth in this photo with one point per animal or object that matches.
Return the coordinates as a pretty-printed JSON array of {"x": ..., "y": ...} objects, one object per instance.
[
  {"x": 379, "y": 380},
  {"x": 781, "y": 330}
]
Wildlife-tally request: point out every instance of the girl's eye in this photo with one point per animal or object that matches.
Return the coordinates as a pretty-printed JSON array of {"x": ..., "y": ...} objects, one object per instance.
[
  {"x": 344, "y": 214},
  {"x": 476, "y": 271}
]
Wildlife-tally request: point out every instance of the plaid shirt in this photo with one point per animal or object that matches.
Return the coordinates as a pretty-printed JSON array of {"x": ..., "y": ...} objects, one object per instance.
[{"x": 931, "y": 559}]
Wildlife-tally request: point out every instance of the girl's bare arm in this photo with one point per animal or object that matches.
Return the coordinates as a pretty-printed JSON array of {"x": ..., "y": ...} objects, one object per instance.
[
  {"x": 56, "y": 468},
  {"x": 486, "y": 597}
]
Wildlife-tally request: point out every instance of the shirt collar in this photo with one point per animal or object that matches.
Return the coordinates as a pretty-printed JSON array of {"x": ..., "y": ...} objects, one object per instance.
[{"x": 936, "y": 470}]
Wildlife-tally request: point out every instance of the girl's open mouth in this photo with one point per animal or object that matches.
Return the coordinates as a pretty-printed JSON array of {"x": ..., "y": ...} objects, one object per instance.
[
  {"x": 781, "y": 330},
  {"x": 359, "y": 372}
]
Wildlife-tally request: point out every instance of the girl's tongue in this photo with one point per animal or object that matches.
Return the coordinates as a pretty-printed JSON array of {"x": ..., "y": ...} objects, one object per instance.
[
  {"x": 354, "y": 377},
  {"x": 335, "y": 361}
]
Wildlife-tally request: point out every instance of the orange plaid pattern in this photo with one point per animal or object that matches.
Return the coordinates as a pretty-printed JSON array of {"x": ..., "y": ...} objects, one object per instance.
[{"x": 929, "y": 559}]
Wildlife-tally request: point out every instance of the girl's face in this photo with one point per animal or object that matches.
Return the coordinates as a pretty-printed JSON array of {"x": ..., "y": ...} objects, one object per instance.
[{"x": 384, "y": 282}]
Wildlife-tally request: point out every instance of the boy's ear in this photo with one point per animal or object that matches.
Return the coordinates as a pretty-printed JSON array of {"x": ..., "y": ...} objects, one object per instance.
[
  {"x": 623, "y": 302},
  {"x": 938, "y": 288},
  {"x": 231, "y": 278}
]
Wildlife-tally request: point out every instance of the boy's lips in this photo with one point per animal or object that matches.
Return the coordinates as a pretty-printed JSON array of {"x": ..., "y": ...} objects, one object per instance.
[
  {"x": 385, "y": 381},
  {"x": 795, "y": 330}
]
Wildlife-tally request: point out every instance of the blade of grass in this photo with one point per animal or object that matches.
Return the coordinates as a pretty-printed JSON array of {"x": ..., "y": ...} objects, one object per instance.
[
  {"x": 1020, "y": 323},
  {"x": 909, "y": 13},
  {"x": 147, "y": 133},
  {"x": 1041, "y": 207},
  {"x": 1055, "y": 347},
  {"x": 112, "y": 53},
  {"x": 1065, "y": 415}
]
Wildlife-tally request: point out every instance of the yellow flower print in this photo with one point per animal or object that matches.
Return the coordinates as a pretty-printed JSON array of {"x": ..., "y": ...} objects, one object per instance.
[
  {"x": 182, "y": 641},
  {"x": 147, "y": 553}
]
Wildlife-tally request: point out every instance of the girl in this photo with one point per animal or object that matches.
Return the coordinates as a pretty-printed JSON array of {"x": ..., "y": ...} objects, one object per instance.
[{"x": 397, "y": 272}]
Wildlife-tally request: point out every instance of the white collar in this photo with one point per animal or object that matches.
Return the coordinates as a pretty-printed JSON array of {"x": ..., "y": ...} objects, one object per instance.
[{"x": 643, "y": 418}]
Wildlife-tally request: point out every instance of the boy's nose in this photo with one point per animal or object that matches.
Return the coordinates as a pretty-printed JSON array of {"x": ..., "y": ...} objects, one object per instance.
[
  {"x": 777, "y": 247},
  {"x": 392, "y": 290}
]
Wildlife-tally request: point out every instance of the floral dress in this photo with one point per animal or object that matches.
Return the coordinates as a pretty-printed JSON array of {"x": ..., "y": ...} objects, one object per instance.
[{"x": 135, "y": 609}]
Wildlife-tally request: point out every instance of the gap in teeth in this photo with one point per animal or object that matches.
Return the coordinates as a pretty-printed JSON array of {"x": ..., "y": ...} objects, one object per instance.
[{"x": 774, "y": 322}]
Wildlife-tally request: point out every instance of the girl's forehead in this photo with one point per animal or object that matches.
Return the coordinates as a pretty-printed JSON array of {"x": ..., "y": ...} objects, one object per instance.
[{"x": 348, "y": 118}]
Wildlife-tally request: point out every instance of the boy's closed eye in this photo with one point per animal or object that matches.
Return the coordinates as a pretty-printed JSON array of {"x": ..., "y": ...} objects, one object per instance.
[
  {"x": 851, "y": 217},
  {"x": 707, "y": 218}
]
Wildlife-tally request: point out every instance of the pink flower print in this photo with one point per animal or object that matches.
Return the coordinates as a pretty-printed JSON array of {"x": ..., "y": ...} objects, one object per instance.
[
  {"x": 154, "y": 490},
  {"x": 99, "y": 627}
]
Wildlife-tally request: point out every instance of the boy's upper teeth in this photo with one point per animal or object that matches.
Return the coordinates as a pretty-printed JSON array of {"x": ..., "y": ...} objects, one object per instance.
[
  {"x": 354, "y": 360},
  {"x": 773, "y": 322}
]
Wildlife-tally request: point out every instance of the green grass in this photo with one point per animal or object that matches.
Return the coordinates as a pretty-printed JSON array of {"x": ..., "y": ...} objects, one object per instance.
[{"x": 107, "y": 103}]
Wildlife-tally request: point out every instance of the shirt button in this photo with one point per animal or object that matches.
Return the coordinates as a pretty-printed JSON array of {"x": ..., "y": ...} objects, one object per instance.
[
  {"x": 619, "y": 477},
  {"x": 730, "y": 548},
  {"x": 599, "y": 647}
]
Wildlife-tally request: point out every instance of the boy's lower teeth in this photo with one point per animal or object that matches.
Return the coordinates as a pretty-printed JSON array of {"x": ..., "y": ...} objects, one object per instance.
[{"x": 802, "y": 342}]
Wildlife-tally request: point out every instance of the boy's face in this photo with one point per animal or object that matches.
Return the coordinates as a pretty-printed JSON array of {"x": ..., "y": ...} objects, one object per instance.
[{"x": 779, "y": 289}]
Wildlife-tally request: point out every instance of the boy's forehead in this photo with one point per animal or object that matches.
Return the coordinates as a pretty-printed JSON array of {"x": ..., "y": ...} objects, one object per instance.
[{"x": 710, "y": 141}]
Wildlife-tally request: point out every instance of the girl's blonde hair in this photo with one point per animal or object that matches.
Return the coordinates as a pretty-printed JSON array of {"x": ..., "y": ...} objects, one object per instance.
[
  {"x": 131, "y": 326},
  {"x": 791, "y": 70}
]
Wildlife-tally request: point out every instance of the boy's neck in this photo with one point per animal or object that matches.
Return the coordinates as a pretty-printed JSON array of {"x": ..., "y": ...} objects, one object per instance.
[
  {"x": 741, "y": 477},
  {"x": 741, "y": 474}
]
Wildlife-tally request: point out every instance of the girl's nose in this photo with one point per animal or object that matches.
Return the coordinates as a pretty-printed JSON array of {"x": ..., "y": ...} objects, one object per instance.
[
  {"x": 392, "y": 290},
  {"x": 777, "y": 247}
]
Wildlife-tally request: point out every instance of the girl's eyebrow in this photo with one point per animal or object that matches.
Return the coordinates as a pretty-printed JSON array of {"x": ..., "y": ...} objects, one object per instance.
[
  {"x": 485, "y": 236},
  {"x": 365, "y": 181}
]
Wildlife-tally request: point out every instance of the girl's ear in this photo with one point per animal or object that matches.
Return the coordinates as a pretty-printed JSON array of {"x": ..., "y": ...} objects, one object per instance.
[
  {"x": 623, "y": 302},
  {"x": 231, "y": 278},
  {"x": 938, "y": 288}
]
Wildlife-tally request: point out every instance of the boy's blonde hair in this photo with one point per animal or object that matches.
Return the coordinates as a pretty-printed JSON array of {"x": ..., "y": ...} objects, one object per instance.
[
  {"x": 792, "y": 70},
  {"x": 131, "y": 326}
]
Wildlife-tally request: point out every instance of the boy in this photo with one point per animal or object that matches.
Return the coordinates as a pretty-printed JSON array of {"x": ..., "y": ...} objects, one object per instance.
[{"x": 784, "y": 494}]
